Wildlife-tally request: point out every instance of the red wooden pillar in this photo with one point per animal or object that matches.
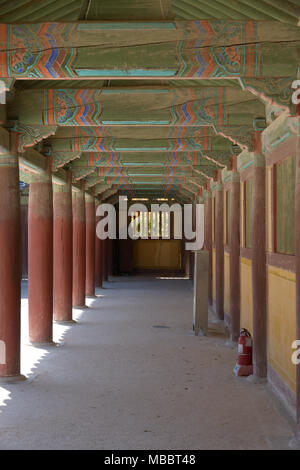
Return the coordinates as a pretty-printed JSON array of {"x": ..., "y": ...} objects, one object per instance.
[
  {"x": 110, "y": 258},
  {"x": 40, "y": 258},
  {"x": 10, "y": 263},
  {"x": 79, "y": 247},
  {"x": 90, "y": 212},
  {"x": 191, "y": 253},
  {"x": 219, "y": 247},
  {"x": 24, "y": 233},
  {"x": 258, "y": 224},
  {"x": 98, "y": 256},
  {"x": 185, "y": 253},
  {"x": 234, "y": 244},
  {"x": 63, "y": 251},
  {"x": 105, "y": 259},
  {"x": 208, "y": 238}
]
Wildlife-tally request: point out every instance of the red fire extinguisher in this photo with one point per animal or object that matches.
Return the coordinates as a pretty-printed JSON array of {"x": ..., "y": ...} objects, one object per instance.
[{"x": 244, "y": 364}]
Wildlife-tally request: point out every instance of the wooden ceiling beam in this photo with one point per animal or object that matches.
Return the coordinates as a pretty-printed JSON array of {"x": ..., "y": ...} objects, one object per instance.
[{"x": 156, "y": 49}]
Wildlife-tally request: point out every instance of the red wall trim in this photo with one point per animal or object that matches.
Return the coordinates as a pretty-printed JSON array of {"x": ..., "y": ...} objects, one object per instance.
[
  {"x": 287, "y": 262},
  {"x": 246, "y": 252}
]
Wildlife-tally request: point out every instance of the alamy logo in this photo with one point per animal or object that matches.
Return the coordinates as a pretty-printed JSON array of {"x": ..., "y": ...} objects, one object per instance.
[
  {"x": 296, "y": 354},
  {"x": 296, "y": 93},
  {"x": 3, "y": 91},
  {"x": 2, "y": 352},
  {"x": 136, "y": 221}
]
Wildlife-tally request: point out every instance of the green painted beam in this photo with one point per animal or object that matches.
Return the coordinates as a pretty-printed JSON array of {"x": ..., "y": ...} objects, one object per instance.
[
  {"x": 159, "y": 50},
  {"x": 138, "y": 159},
  {"x": 165, "y": 172},
  {"x": 33, "y": 161},
  {"x": 135, "y": 106},
  {"x": 108, "y": 144},
  {"x": 134, "y": 83},
  {"x": 136, "y": 132}
]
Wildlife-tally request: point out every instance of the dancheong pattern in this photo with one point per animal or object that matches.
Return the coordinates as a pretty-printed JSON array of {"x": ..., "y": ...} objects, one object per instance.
[
  {"x": 114, "y": 159},
  {"x": 204, "y": 48},
  {"x": 210, "y": 110},
  {"x": 36, "y": 51},
  {"x": 72, "y": 107},
  {"x": 211, "y": 58},
  {"x": 83, "y": 107},
  {"x": 170, "y": 171},
  {"x": 102, "y": 144}
]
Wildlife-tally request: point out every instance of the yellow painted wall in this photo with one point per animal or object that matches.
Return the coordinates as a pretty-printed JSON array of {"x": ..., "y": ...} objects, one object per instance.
[
  {"x": 157, "y": 254},
  {"x": 214, "y": 273},
  {"x": 224, "y": 217},
  {"x": 213, "y": 205},
  {"x": 246, "y": 293},
  {"x": 282, "y": 322},
  {"x": 227, "y": 282},
  {"x": 269, "y": 210},
  {"x": 242, "y": 214}
]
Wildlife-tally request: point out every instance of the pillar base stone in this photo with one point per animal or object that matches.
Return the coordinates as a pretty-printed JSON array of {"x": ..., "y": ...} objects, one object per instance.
[
  {"x": 257, "y": 380},
  {"x": 50, "y": 344},
  {"x": 65, "y": 322},
  {"x": 231, "y": 344},
  {"x": 13, "y": 379},
  {"x": 295, "y": 443},
  {"x": 201, "y": 333}
]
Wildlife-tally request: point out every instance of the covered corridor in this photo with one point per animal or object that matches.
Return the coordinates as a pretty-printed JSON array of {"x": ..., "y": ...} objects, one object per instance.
[
  {"x": 144, "y": 141},
  {"x": 119, "y": 382}
]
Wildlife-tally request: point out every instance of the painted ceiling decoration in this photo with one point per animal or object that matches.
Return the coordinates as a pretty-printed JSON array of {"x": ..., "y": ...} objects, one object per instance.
[
  {"x": 144, "y": 159},
  {"x": 102, "y": 144},
  {"x": 211, "y": 106},
  {"x": 191, "y": 49},
  {"x": 145, "y": 97}
]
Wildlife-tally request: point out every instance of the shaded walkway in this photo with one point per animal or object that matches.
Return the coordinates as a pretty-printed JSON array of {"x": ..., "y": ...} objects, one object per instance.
[{"x": 118, "y": 382}]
